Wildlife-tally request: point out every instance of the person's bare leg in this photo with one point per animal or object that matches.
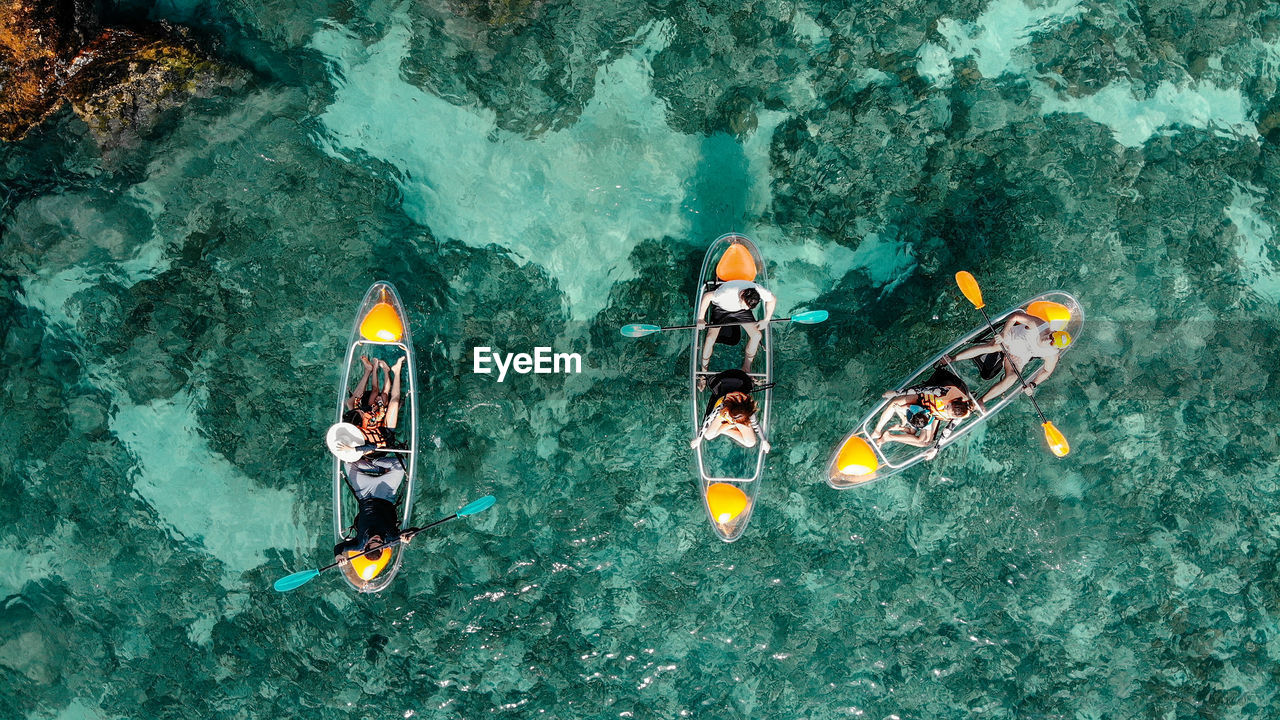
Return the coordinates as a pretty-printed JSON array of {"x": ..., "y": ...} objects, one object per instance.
[
  {"x": 386, "y": 380},
  {"x": 890, "y": 411},
  {"x": 393, "y": 408},
  {"x": 907, "y": 438},
  {"x": 364, "y": 382},
  {"x": 376, "y": 389},
  {"x": 1010, "y": 379},
  {"x": 976, "y": 350},
  {"x": 709, "y": 346},
  {"x": 753, "y": 344}
]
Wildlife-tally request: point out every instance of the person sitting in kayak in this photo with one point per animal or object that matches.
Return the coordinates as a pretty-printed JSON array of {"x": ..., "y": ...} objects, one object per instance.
[
  {"x": 378, "y": 419},
  {"x": 734, "y": 302},
  {"x": 923, "y": 410},
  {"x": 1023, "y": 338},
  {"x": 732, "y": 411},
  {"x": 374, "y": 481}
]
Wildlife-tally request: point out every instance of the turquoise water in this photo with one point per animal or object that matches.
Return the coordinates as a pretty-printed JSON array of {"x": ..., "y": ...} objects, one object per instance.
[{"x": 542, "y": 173}]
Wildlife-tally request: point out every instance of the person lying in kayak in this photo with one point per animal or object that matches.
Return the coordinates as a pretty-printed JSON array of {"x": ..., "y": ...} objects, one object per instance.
[
  {"x": 378, "y": 420},
  {"x": 731, "y": 411},
  {"x": 1023, "y": 338},
  {"x": 923, "y": 410},
  {"x": 374, "y": 482},
  {"x": 734, "y": 302}
]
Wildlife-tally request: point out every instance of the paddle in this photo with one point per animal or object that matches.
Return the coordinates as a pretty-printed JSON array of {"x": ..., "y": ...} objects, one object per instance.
[
  {"x": 1057, "y": 441},
  {"x": 813, "y": 317},
  {"x": 299, "y": 579}
]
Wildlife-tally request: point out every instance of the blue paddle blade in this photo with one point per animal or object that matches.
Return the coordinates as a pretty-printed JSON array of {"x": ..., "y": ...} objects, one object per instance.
[
  {"x": 638, "y": 330},
  {"x": 297, "y": 579},
  {"x": 480, "y": 505},
  {"x": 812, "y": 317}
]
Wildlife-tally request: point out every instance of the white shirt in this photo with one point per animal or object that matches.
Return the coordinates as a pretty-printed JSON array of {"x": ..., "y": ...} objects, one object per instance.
[
  {"x": 726, "y": 297},
  {"x": 1023, "y": 343}
]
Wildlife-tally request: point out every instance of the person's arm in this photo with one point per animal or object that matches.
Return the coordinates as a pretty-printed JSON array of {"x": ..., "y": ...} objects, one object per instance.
[
  {"x": 340, "y": 550},
  {"x": 1050, "y": 364},
  {"x": 703, "y": 307},
  {"x": 709, "y": 428},
  {"x": 393, "y": 408},
  {"x": 759, "y": 432},
  {"x": 771, "y": 302},
  {"x": 1017, "y": 317},
  {"x": 741, "y": 434}
]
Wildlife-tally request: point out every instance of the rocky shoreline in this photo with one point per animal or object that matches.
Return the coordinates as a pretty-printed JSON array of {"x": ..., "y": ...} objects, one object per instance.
[{"x": 118, "y": 80}]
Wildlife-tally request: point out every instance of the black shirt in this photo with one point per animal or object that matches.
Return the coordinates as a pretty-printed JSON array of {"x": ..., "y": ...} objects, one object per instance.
[{"x": 375, "y": 517}]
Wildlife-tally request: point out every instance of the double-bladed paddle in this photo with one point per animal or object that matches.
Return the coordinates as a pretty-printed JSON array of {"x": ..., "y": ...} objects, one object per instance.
[
  {"x": 813, "y": 317},
  {"x": 299, "y": 579},
  {"x": 1057, "y": 441}
]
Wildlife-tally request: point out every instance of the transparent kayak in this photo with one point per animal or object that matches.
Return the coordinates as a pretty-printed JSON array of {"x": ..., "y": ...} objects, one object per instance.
[
  {"x": 864, "y": 461},
  {"x": 729, "y": 474},
  {"x": 381, "y": 331}
]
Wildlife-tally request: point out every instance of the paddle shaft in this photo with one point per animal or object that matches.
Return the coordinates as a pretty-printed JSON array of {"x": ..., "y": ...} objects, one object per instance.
[
  {"x": 723, "y": 325},
  {"x": 1017, "y": 370},
  {"x": 407, "y": 534}
]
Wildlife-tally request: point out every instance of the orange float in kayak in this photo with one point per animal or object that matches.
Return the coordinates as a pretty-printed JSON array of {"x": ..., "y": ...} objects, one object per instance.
[
  {"x": 857, "y": 458},
  {"x": 725, "y": 502},
  {"x": 382, "y": 323},
  {"x": 1056, "y": 314},
  {"x": 736, "y": 264},
  {"x": 367, "y": 569}
]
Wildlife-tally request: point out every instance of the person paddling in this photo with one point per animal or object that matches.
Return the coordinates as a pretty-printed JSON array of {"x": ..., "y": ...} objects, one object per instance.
[
  {"x": 1023, "y": 338},
  {"x": 734, "y": 302},
  {"x": 375, "y": 482}
]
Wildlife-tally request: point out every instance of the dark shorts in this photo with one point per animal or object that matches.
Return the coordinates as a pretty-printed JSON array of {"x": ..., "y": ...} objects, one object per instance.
[
  {"x": 731, "y": 335},
  {"x": 942, "y": 377},
  {"x": 989, "y": 365}
]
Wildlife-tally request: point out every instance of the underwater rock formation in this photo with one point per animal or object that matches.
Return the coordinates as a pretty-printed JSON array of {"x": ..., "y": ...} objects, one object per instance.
[{"x": 118, "y": 80}]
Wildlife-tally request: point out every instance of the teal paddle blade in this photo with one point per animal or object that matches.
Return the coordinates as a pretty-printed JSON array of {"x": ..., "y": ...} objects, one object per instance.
[
  {"x": 480, "y": 505},
  {"x": 297, "y": 579},
  {"x": 639, "y": 330},
  {"x": 812, "y": 317}
]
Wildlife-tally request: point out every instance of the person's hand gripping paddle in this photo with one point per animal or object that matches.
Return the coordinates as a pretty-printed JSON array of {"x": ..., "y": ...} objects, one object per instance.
[
  {"x": 299, "y": 579},
  {"x": 1057, "y": 442}
]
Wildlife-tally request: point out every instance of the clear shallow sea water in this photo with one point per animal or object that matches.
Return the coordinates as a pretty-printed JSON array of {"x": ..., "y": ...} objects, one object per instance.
[{"x": 533, "y": 173}]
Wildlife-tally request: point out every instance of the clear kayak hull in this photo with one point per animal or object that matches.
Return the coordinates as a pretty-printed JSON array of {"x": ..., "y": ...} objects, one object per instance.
[
  {"x": 859, "y": 451},
  {"x": 381, "y": 331},
  {"x": 722, "y": 462}
]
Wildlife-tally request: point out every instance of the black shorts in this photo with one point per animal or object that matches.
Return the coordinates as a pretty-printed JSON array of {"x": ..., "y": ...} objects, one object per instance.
[{"x": 731, "y": 335}]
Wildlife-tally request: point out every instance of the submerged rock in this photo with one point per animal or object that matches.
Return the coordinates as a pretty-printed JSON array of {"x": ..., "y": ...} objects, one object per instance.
[{"x": 117, "y": 80}]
